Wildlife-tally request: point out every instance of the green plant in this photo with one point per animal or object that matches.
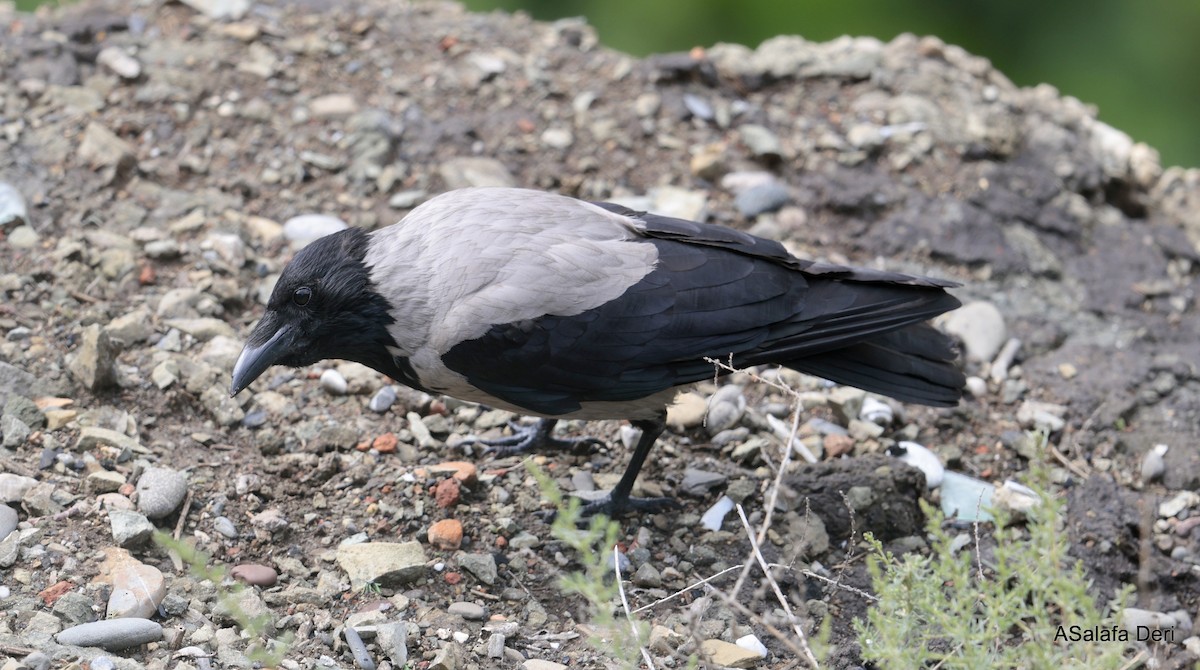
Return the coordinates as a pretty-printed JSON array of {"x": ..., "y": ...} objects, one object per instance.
[
  {"x": 267, "y": 653},
  {"x": 1026, "y": 607},
  {"x": 620, "y": 640}
]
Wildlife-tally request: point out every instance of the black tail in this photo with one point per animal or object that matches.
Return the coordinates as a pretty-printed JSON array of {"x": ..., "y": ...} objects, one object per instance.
[{"x": 913, "y": 364}]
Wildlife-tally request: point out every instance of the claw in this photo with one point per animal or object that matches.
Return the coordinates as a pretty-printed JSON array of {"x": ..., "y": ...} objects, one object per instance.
[{"x": 538, "y": 437}]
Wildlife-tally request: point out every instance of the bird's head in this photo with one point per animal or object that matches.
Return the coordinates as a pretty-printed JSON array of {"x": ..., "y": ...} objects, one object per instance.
[{"x": 323, "y": 306}]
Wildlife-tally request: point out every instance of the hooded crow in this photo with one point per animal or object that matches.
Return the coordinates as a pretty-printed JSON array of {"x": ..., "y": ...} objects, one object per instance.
[{"x": 560, "y": 308}]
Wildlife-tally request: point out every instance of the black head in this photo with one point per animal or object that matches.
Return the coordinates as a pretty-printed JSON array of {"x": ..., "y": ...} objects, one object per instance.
[{"x": 323, "y": 306}]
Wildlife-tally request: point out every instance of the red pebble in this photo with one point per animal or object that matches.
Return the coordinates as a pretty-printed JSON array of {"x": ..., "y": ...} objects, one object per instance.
[
  {"x": 453, "y": 578},
  {"x": 386, "y": 443},
  {"x": 448, "y": 492},
  {"x": 446, "y": 534}
]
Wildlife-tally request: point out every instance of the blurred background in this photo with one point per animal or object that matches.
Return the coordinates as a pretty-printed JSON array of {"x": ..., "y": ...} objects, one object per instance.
[{"x": 1138, "y": 62}]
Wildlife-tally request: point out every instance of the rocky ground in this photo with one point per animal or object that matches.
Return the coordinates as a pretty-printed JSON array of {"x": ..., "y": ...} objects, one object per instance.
[{"x": 159, "y": 163}]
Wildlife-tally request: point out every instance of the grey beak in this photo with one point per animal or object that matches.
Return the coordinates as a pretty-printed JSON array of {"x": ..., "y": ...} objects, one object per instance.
[{"x": 254, "y": 360}]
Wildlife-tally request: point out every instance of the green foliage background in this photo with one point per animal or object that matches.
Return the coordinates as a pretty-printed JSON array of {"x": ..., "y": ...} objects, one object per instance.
[{"x": 1139, "y": 62}]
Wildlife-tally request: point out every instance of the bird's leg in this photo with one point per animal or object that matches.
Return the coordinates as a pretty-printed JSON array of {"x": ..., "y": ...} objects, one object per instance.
[
  {"x": 618, "y": 500},
  {"x": 538, "y": 437}
]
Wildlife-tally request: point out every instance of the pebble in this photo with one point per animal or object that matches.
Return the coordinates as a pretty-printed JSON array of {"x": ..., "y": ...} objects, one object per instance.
[
  {"x": 120, "y": 63},
  {"x": 976, "y": 386},
  {"x": 698, "y": 482},
  {"x": 407, "y": 199},
  {"x": 647, "y": 577},
  {"x": 137, "y": 590},
  {"x": 1179, "y": 502},
  {"x": 1042, "y": 415},
  {"x": 446, "y": 534},
  {"x": 467, "y": 610},
  {"x": 384, "y": 563},
  {"x": 541, "y": 664},
  {"x": 23, "y": 237},
  {"x": 130, "y": 529},
  {"x": 93, "y": 363},
  {"x": 762, "y": 199},
  {"x": 15, "y": 432},
  {"x": 8, "y": 520},
  {"x": 729, "y": 655},
  {"x": 725, "y": 408},
  {"x": 1133, "y": 619},
  {"x": 760, "y": 141},
  {"x": 12, "y": 206},
  {"x": 333, "y": 382},
  {"x": 362, "y": 657},
  {"x": 383, "y": 399},
  {"x": 447, "y": 493},
  {"x": 104, "y": 481},
  {"x": 160, "y": 491},
  {"x": 698, "y": 107},
  {"x": 1153, "y": 466},
  {"x": 752, "y": 643},
  {"x": 482, "y": 566},
  {"x": 333, "y": 106},
  {"x": 558, "y": 138},
  {"x": 303, "y": 229},
  {"x": 225, "y": 527},
  {"x": 463, "y": 471},
  {"x": 980, "y": 326},
  {"x": 14, "y": 487},
  {"x": 112, "y": 634},
  {"x": 466, "y": 171}
]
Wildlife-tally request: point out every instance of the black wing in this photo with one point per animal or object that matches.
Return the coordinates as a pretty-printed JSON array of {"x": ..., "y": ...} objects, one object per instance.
[{"x": 715, "y": 292}]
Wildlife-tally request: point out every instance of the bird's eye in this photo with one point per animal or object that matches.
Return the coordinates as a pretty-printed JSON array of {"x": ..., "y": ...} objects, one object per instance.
[{"x": 302, "y": 296}]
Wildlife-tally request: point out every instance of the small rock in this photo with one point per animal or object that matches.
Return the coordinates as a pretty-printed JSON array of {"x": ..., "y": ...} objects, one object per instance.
[
  {"x": 220, "y": 9},
  {"x": 699, "y": 482},
  {"x": 482, "y": 566},
  {"x": 647, "y": 577},
  {"x": 753, "y": 644},
  {"x": 137, "y": 591},
  {"x": 225, "y": 526},
  {"x": 14, "y": 430},
  {"x": 467, "y": 610},
  {"x": 1153, "y": 466},
  {"x": 558, "y": 138},
  {"x": 729, "y": 655},
  {"x": 255, "y": 574},
  {"x": 540, "y": 664},
  {"x": 1178, "y": 503},
  {"x": 333, "y": 382},
  {"x": 980, "y": 326},
  {"x": 1042, "y": 415},
  {"x": 447, "y": 493},
  {"x": 12, "y": 206},
  {"x": 120, "y": 63},
  {"x": 466, "y": 171},
  {"x": 698, "y": 107},
  {"x": 333, "y": 106},
  {"x": 112, "y": 634},
  {"x": 407, "y": 199},
  {"x": 91, "y": 437},
  {"x": 1134, "y": 619},
  {"x": 93, "y": 363},
  {"x": 203, "y": 328},
  {"x": 762, "y": 199},
  {"x": 302, "y": 229},
  {"x": 100, "y": 147},
  {"x": 725, "y": 408},
  {"x": 714, "y": 517},
  {"x": 23, "y": 237},
  {"x": 383, "y": 399},
  {"x": 160, "y": 491},
  {"x": 760, "y": 141},
  {"x": 14, "y": 487},
  {"x": 385, "y": 563},
  {"x": 446, "y": 534},
  {"x": 104, "y": 481},
  {"x": 8, "y": 521},
  {"x": 130, "y": 529}
]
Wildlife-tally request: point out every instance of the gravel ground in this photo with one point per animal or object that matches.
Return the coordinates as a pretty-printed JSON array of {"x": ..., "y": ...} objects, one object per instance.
[{"x": 160, "y": 162}]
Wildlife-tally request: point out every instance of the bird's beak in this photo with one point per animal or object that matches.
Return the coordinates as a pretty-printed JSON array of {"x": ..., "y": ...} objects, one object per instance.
[{"x": 255, "y": 359}]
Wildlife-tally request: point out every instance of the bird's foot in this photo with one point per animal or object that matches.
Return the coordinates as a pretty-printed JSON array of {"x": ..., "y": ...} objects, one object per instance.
[
  {"x": 538, "y": 437},
  {"x": 620, "y": 506}
]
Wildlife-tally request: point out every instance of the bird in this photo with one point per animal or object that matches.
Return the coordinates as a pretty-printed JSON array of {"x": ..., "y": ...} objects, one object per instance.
[{"x": 561, "y": 308}]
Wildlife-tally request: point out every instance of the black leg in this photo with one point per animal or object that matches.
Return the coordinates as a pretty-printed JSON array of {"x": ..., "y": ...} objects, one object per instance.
[
  {"x": 538, "y": 437},
  {"x": 618, "y": 501}
]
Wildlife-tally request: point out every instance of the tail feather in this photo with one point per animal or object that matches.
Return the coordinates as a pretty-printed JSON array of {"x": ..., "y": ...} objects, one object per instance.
[{"x": 914, "y": 364}]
